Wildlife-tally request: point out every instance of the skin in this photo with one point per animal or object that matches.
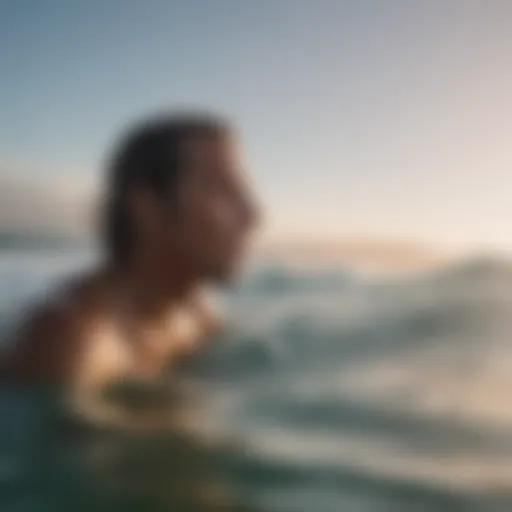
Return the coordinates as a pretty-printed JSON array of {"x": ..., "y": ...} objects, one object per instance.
[{"x": 197, "y": 235}]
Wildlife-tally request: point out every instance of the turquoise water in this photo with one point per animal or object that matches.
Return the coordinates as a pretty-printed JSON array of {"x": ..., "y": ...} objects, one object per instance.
[{"x": 331, "y": 390}]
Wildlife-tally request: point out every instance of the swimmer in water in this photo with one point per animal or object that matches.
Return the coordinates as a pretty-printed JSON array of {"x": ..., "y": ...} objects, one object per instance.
[{"x": 177, "y": 217}]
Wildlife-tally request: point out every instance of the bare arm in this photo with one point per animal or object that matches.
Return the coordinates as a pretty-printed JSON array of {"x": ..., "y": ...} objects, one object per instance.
[{"x": 207, "y": 316}]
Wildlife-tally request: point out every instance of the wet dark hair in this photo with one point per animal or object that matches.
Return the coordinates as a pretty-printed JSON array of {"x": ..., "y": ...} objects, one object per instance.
[{"x": 149, "y": 156}]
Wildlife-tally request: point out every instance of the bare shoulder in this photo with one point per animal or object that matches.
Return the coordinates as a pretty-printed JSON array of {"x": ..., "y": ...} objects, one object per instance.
[{"x": 50, "y": 337}]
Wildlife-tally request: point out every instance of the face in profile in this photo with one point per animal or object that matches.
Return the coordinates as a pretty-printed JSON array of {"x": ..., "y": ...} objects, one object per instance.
[{"x": 212, "y": 214}]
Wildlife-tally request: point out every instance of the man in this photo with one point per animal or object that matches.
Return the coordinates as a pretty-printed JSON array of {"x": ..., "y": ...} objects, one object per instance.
[{"x": 178, "y": 215}]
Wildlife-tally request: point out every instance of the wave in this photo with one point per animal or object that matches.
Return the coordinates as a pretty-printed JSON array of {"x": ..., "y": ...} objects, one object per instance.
[{"x": 389, "y": 392}]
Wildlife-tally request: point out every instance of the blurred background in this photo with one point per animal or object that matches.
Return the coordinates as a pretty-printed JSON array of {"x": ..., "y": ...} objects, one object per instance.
[{"x": 368, "y": 366}]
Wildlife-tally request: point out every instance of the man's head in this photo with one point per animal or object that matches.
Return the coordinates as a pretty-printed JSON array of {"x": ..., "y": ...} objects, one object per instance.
[{"x": 177, "y": 197}]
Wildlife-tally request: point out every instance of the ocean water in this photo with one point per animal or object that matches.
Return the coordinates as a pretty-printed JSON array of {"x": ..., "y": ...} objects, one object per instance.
[{"x": 343, "y": 391}]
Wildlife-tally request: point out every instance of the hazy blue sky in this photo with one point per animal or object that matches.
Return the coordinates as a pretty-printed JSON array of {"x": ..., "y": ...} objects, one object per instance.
[{"x": 385, "y": 117}]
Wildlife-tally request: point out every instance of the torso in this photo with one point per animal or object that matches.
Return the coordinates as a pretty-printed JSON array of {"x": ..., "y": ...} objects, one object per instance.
[
  {"x": 174, "y": 469},
  {"x": 108, "y": 351},
  {"x": 113, "y": 350}
]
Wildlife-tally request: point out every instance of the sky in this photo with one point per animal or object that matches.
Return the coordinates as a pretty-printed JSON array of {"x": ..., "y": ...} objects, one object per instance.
[{"x": 361, "y": 118}]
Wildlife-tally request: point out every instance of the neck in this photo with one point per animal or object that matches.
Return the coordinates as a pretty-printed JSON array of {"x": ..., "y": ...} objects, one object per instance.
[{"x": 152, "y": 289}]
